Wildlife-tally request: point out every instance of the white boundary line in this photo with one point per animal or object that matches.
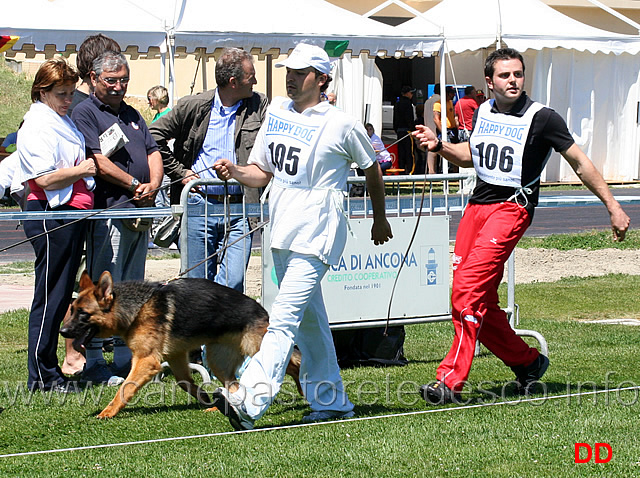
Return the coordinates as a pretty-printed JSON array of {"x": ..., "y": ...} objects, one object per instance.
[{"x": 334, "y": 422}]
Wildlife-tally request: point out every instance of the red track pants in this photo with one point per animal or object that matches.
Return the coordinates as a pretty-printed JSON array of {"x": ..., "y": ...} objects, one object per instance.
[{"x": 486, "y": 236}]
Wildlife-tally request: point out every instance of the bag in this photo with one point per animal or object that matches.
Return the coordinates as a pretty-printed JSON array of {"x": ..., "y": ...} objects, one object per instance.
[
  {"x": 138, "y": 224},
  {"x": 370, "y": 346},
  {"x": 167, "y": 232},
  {"x": 356, "y": 191}
]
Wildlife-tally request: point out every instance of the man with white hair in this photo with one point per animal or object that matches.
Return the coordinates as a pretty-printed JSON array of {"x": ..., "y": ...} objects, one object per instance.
[
  {"x": 307, "y": 147},
  {"x": 129, "y": 176}
]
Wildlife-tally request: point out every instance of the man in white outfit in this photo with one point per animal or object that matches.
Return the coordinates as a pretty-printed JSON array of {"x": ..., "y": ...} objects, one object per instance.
[{"x": 307, "y": 147}]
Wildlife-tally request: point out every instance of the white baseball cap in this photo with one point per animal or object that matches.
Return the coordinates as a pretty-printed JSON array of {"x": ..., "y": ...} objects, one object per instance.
[{"x": 305, "y": 55}]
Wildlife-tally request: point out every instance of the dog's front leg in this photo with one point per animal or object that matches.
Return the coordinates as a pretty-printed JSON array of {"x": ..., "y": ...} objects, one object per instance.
[{"x": 142, "y": 371}]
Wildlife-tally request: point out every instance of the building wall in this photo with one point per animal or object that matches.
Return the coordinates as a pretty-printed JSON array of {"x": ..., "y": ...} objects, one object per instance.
[
  {"x": 581, "y": 10},
  {"x": 146, "y": 72}
]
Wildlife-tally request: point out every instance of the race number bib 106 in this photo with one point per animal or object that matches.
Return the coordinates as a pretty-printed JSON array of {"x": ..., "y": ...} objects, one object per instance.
[
  {"x": 291, "y": 139},
  {"x": 497, "y": 145}
]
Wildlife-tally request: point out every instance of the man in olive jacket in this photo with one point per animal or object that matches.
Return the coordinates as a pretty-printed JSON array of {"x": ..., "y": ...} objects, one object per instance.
[{"x": 220, "y": 123}]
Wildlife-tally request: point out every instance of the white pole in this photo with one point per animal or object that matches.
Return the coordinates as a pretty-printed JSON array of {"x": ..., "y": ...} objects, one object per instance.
[
  {"x": 163, "y": 68},
  {"x": 172, "y": 79},
  {"x": 443, "y": 102},
  {"x": 205, "y": 79}
]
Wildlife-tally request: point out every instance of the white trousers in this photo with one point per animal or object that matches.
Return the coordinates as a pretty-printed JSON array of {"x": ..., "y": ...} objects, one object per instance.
[{"x": 298, "y": 316}]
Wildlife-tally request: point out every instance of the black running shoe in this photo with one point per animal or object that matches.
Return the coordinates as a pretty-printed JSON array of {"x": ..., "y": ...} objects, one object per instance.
[
  {"x": 526, "y": 377},
  {"x": 438, "y": 393},
  {"x": 233, "y": 409}
]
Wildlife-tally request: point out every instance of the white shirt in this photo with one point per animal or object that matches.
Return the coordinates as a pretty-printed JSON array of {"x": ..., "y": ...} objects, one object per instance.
[
  {"x": 312, "y": 155},
  {"x": 48, "y": 142},
  {"x": 382, "y": 155}
]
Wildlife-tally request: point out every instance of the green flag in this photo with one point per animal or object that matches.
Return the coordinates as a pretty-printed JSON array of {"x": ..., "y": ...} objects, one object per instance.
[{"x": 335, "y": 48}]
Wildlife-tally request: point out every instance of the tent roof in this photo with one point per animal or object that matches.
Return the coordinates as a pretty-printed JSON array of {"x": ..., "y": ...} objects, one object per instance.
[
  {"x": 275, "y": 24},
  {"x": 281, "y": 24},
  {"x": 521, "y": 24},
  {"x": 139, "y": 23}
]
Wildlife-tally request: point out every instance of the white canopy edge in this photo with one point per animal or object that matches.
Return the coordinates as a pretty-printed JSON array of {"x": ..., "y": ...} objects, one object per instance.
[
  {"x": 614, "y": 45},
  {"x": 520, "y": 24},
  {"x": 283, "y": 42},
  {"x": 70, "y": 40}
]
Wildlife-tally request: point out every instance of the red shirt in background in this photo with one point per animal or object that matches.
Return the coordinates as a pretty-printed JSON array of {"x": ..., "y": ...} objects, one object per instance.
[{"x": 465, "y": 107}]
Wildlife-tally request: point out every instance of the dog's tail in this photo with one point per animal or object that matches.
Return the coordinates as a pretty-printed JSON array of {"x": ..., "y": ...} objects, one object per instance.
[{"x": 293, "y": 369}]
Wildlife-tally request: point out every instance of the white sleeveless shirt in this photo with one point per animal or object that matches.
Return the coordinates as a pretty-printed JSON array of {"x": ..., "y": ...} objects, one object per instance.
[{"x": 497, "y": 145}]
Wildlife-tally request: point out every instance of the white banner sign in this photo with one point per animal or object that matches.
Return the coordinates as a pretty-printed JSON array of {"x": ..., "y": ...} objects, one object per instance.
[{"x": 358, "y": 289}]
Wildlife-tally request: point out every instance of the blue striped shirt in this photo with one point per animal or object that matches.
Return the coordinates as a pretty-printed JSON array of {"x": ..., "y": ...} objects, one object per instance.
[{"x": 219, "y": 143}]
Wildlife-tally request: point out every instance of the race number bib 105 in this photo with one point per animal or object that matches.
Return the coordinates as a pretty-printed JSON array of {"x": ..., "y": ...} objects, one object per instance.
[
  {"x": 291, "y": 139},
  {"x": 497, "y": 145}
]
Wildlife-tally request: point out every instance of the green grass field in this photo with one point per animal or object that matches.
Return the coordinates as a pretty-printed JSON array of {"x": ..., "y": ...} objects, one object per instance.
[
  {"x": 163, "y": 433},
  {"x": 15, "y": 98}
]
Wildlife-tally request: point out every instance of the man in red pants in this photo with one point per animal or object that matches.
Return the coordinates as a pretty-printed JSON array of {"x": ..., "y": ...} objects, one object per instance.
[{"x": 510, "y": 143}]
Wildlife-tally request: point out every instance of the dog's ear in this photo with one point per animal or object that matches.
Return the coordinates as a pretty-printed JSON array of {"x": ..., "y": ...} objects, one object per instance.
[
  {"x": 85, "y": 281},
  {"x": 105, "y": 289}
]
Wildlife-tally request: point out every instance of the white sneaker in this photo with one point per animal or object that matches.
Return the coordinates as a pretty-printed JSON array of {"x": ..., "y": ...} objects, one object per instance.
[
  {"x": 115, "y": 380},
  {"x": 232, "y": 408},
  {"x": 323, "y": 415}
]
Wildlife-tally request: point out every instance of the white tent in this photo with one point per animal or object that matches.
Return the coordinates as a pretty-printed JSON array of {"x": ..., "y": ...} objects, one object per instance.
[
  {"x": 206, "y": 25},
  {"x": 358, "y": 85},
  {"x": 521, "y": 24},
  {"x": 61, "y": 23},
  {"x": 209, "y": 24},
  {"x": 281, "y": 24},
  {"x": 590, "y": 76}
]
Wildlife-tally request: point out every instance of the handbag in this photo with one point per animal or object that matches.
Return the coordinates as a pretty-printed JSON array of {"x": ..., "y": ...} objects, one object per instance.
[{"x": 167, "y": 232}]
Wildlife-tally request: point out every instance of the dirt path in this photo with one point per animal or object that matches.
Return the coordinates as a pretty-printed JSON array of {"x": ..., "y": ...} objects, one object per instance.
[{"x": 532, "y": 265}]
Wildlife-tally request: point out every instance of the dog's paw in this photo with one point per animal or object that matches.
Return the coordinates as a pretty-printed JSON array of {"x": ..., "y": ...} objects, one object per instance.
[
  {"x": 104, "y": 414},
  {"x": 212, "y": 409}
]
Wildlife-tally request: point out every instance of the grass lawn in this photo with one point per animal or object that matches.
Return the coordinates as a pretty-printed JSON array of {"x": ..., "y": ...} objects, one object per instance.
[
  {"x": 14, "y": 97},
  {"x": 496, "y": 434}
]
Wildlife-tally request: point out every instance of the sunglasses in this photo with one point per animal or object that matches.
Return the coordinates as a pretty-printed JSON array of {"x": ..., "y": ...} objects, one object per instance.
[{"x": 114, "y": 81}]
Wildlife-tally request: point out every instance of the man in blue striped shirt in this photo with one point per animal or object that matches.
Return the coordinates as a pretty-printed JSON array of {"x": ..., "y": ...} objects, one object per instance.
[{"x": 215, "y": 124}]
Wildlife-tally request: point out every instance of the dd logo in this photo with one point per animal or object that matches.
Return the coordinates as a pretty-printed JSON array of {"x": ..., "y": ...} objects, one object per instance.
[{"x": 598, "y": 457}]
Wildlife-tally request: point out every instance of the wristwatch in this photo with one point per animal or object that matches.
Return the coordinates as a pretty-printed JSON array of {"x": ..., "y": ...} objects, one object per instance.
[
  {"x": 437, "y": 148},
  {"x": 134, "y": 184}
]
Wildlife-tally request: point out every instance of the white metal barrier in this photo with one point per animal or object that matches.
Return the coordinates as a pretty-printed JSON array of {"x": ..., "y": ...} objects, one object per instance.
[{"x": 357, "y": 290}]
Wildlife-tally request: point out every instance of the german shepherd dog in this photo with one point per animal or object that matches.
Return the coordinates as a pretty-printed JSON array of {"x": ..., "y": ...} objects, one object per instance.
[{"x": 168, "y": 321}]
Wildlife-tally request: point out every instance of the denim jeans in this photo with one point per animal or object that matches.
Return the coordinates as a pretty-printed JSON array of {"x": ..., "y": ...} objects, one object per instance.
[
  {"x": 206, "y": 235},
  {"x": 114, "y": 248}
]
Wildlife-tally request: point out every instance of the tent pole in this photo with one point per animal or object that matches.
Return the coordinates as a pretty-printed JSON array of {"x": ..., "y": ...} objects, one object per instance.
[
  {"x": 269, "y": 60},
  {"x": 443, "y": 102},
  {"x": 172, "y": 78},
  {"x": 163, "y": 68},
  {"x": 203, "y": 59}
]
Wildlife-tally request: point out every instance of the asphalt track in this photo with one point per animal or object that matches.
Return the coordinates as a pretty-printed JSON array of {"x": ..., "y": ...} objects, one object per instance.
[{"x": 546, "y": 221}]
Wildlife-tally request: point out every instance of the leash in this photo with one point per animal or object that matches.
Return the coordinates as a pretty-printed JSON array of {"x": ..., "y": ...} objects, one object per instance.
[
  {"x": 395, "y": 142},
  {"x": 227, "y": 222},
  {"x": 413, "y": 236},
  {"x": 222, "y": 249},
  {"x": 113, "y": 206}
]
